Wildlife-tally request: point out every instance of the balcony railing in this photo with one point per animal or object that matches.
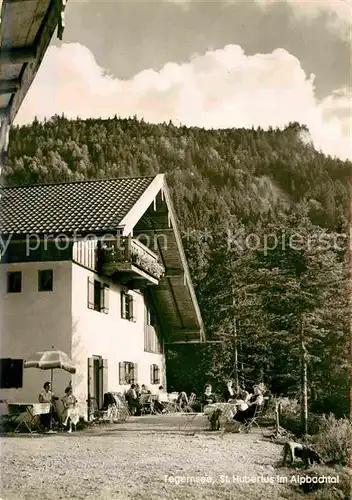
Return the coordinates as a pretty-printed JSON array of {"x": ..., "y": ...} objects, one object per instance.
[{"x": 120, "y": 254}]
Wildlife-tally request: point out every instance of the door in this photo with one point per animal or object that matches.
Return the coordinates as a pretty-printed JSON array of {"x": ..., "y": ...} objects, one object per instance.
[{"x": 97, "y": 381}]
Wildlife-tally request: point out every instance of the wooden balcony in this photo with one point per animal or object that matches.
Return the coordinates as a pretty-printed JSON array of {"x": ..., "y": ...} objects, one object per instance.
[{"x": 130, "y": 260}]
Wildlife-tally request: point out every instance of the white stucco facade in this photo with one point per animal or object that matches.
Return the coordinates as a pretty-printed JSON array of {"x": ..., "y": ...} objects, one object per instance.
[
  {"x": 108, "y": 335},
  {"x": 33, "y": 320}
]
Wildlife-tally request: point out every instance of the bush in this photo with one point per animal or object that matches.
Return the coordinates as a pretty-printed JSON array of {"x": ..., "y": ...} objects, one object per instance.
[
  {"x": 290, "y": 418},
  {"x": 334, "y": 440},
  {"x": 331, "y": 403},
  {"x": 327, "y": 491}
]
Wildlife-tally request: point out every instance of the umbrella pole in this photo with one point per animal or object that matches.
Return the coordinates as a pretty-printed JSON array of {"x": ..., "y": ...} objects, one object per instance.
[{"x": 52, "y": 401}]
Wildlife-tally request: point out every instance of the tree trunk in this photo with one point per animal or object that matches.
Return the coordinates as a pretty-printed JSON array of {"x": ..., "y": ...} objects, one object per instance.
[
  {"x": 277, "y": 418},
  {"x": 237, "y": 385},
  {"x": 243, "y": 382},
  {"x": 304, "y": 383}
]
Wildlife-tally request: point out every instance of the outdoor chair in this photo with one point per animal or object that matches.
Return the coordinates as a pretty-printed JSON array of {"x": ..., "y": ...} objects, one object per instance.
[
  {"x": 15, "y": 417},
  {"x": 167, "y": 407},
  {"x": 147, "y": 404},
  {"x": 189, "y": 407},
  {"x": 95, "y": 414},
  {"x": 188, "y": 414},
  {"x": 102, "y": 416},
  {"x": 120, "y": 409},
  {"x": 249, "y": 423},
  {"x": 187, "y": 420}
]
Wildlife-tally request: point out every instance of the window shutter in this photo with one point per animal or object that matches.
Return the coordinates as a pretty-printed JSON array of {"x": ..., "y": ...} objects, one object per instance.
[
  {"x": 102, "y": 298},
  {"x": 157, "y": 374},
  {"x": 129, "y": 307},
  {"x": 127, "y": 376},
  {"x": 105, "y": 375},
  {"x": 90, "y": 378},
  {"x": 135, "y": 373},
  {"x": 152, "y": 374},
  {"x": 105, "y": 299},
  {"x": 132, "y": 309},
  {"x": 90, "y": 293},
  {"x": 122, "y": 380},
  {"x": 123, "y": 305}
]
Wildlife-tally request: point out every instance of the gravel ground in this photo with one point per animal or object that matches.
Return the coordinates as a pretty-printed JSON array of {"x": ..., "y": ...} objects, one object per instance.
[{"x": 141, "y": 460}]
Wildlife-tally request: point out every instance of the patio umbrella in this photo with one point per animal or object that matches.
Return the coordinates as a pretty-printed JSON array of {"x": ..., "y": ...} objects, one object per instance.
[{"x": 50, "y": 360}]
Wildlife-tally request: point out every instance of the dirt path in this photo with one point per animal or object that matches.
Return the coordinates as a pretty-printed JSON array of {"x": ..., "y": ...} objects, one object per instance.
[{"x": 134, "y": 461}]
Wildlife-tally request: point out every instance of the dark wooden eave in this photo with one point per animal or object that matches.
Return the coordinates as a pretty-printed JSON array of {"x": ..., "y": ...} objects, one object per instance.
[
  {"x": 174, "y": 297},
  {"x": 26, "y": 29}
]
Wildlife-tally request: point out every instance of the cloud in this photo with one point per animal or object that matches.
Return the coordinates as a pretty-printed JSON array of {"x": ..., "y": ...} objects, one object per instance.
[
  {"x": 309, "y": 8},
  {"x": 312, "y": 7},
  {"x": 338, "y": 11},
  {"x": 222, "y": 88}
]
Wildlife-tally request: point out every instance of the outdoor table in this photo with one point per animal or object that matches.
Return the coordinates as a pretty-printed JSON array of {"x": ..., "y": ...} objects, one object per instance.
[{"x": 229, "y": 409}]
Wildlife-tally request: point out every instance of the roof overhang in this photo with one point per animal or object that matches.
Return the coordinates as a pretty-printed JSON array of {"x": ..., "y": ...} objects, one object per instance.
[
  {"x": 152, "y": 220},
  {"x": 148, "y": 216},
  {"x": 26, "y": 29}
]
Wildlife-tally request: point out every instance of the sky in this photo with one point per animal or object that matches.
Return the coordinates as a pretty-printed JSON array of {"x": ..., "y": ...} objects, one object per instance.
[{"x": 213, "y": 64}]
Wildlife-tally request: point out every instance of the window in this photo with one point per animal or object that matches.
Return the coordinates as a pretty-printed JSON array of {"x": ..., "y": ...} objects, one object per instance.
[
  {"x": 11, "y": 373},
  {"x": 98, "y": 296},
  {"x": 14, "y": 282},
  {"x": 127, "y": 307},
  {"x": 151, "y": 319},
  {"x": 152, "y": 342},
  {"x": 154, "y": 374},
  {"x": 45, "y": 280},
  {"x": 127, "y": 373}
]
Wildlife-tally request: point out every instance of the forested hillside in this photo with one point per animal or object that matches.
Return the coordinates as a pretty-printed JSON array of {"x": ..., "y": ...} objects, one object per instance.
[{"x": 266, "y": 184}]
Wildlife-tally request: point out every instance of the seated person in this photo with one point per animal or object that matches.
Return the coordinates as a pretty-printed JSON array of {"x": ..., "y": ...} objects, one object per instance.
[
  {"x": 242, "y": 398},
  {"x": 70, "y": 415},
  {"x": 145, "y": 390},
  {"x": 145, "y": 397},
  {"x": 132, "y": 401},
  {"x": 229, "y": 393},
  {"x": 256, "y": 400},
  {"x": 208, "y": 397},
  {"x": 208, "y": 400},
  {"x": 162, "y": 401}
]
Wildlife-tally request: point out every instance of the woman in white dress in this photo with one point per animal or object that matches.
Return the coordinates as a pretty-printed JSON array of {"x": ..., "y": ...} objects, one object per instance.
[{"x": 70, "y": 415}]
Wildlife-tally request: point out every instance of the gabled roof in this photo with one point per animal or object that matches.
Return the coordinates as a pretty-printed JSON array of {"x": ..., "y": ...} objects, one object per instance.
[
  {"x": 137, "y": 206},
  {"x": 84, "y": 206},
  {"x": 26, "y": 29}
]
